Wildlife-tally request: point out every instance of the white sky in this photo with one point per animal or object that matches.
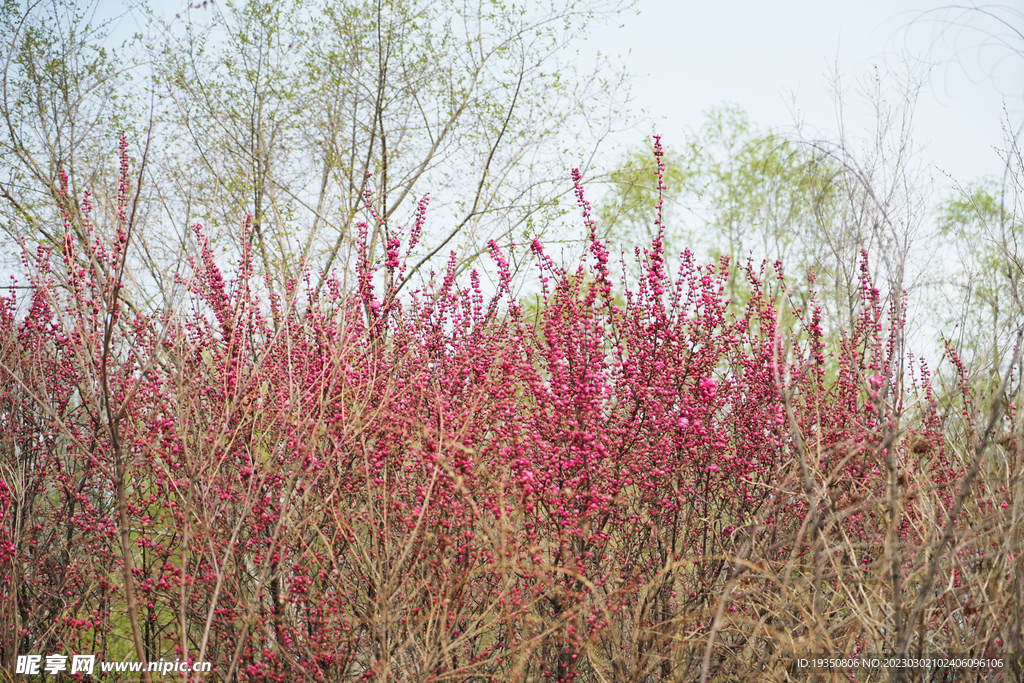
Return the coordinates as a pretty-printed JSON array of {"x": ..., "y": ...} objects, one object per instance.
[
  {"x": 776, "y": 60},
  {"x": 689, "y": 56}
]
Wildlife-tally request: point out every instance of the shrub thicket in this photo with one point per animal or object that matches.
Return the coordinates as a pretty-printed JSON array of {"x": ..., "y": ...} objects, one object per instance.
[{"x": 639, "y": 481}]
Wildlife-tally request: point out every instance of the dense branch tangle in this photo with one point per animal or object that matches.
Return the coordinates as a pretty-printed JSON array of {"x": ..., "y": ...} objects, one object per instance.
[{"x": 652, "y": 485}]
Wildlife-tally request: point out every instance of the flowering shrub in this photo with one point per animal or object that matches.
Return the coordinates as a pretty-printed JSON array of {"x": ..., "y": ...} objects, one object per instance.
[{"x": 667, "y": 485}]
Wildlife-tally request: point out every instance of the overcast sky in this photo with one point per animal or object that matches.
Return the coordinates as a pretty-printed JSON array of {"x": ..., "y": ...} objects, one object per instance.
[{"x": 776, "y": 60}]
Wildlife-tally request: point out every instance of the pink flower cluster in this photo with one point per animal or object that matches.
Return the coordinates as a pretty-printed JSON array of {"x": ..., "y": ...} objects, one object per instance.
[{"x": 437, "y": 486}]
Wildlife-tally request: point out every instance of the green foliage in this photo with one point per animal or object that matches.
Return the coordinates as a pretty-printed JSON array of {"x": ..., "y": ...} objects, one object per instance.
[
  {"x": 627, "y": 210},
  {"x": 61, "y": 108},
  {"x": 291, "y": 112},
  {"x": 731, "y": 190},
  {"x": 988, "y": 231}
]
